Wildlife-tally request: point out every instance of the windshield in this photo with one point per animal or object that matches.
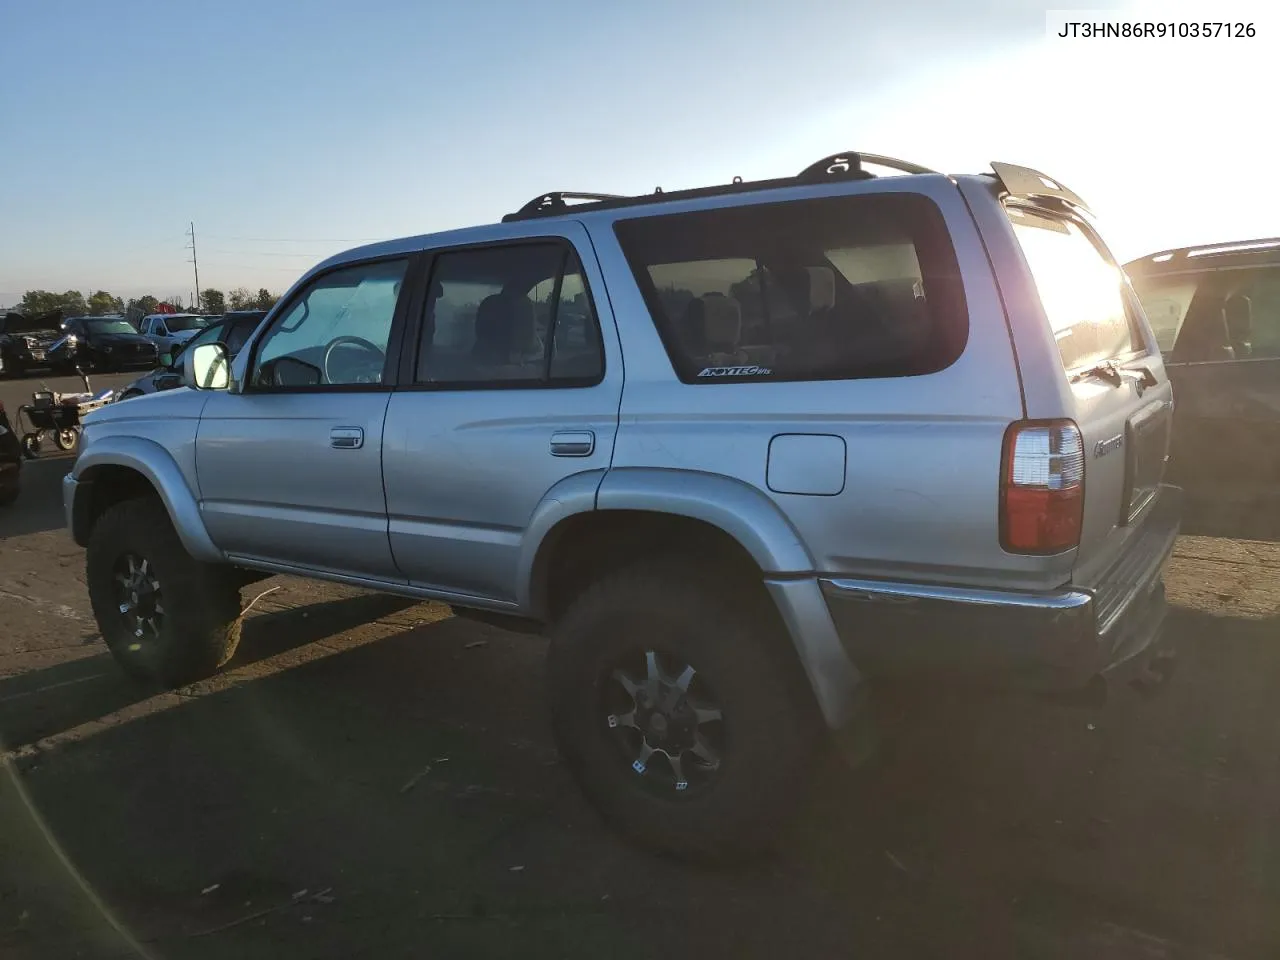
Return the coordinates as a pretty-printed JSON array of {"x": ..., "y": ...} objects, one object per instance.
[
  {"x": 110, "y": 326},
  {"x": 207, "y": 335},
  {"x": 176, "y": 323}
]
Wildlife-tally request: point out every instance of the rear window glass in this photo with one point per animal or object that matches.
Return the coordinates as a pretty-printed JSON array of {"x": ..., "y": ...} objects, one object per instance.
[
  {"x": 834, "y": 288},
  {"x": 1081, "y": 290}
]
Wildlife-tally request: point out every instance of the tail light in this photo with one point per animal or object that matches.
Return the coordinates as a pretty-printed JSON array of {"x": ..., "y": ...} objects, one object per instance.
[{"x": 1042, "y": 487}]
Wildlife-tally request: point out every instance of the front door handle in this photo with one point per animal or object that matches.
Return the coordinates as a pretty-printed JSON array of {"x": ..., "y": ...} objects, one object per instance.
[
  {"x": 346, "y": 438},
  {"x": 573, "y": 443}
]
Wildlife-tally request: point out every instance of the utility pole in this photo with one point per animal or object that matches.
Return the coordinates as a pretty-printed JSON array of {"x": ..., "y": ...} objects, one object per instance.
[{"x": 196, "y": 266}]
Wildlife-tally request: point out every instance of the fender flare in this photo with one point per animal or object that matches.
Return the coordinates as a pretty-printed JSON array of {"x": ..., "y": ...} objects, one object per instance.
[
  {"x": 748, "y": 516},
  {"x": 734, "y": 506},
  {"x": 157, "y": 465}
]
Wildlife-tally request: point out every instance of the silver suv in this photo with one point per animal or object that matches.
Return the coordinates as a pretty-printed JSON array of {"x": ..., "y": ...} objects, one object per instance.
[{"x": 734, "y": 449}]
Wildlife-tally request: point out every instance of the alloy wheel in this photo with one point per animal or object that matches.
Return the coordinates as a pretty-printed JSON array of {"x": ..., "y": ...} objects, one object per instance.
[
  {"x": 666, "y": 722},
  {"x": 140, "y": 601}
]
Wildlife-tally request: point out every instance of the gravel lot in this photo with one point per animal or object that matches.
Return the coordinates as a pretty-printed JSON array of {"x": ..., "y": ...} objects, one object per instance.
[{"x": 373, "y": 778}]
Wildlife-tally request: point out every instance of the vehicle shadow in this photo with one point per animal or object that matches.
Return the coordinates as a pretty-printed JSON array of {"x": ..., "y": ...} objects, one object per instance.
[
  {"x": 1255, "y": 519},
  {"x": 1063, "y": 831},
  {"x": 58, "y": 699},
  {"x": 39, "y": 504},
  {"x": 413, "y": 781}
]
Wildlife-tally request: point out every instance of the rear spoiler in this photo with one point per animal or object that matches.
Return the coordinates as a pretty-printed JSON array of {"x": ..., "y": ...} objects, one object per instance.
[{"x": 1023, "y": 183}]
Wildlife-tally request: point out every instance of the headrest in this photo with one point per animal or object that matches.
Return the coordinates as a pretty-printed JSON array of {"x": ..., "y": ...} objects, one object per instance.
[
  {"x": 822, "y": 288},
  {"x": 1238, "y": 312},
  {"x": 505, "y": 324},
  {"x": 722, "y": 320}
]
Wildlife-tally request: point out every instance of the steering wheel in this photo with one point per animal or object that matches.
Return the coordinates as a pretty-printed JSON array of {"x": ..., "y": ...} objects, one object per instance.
[{"x": 350, "y": 341}]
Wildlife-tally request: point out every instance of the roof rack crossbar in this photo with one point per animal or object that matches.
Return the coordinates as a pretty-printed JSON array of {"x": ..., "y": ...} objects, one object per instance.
[{"x": 555, "y": 202}]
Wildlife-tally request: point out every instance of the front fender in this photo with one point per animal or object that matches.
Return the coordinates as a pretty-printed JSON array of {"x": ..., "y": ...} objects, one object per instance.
[{"x": 157, "y": 465}]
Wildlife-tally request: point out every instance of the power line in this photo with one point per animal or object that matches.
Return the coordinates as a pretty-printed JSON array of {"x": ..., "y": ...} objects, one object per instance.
[
  {"x": 214, "y": 236},
  {"x": 263, "y": 253}
]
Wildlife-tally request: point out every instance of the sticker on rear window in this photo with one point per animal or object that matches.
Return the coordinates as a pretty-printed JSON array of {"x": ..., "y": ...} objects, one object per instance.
[{"x": 749, "y": 371}]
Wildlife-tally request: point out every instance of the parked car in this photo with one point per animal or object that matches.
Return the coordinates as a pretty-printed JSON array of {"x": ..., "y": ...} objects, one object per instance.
[
  {"x": 168, "y": 330},
  {"x": 10, "y": 461},
  {"x": 102, "y": 343},
  {"x": 1215, "y": 311},
  {"x": 232, "y": 329},
  {"x": 854, "y": 435},
  {"x": 25, "y": 342}
]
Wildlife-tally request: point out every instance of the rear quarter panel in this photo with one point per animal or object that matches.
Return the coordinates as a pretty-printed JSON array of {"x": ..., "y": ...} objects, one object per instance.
[
  {"x": 1100, "y": 409},
  {"x": 920, "y": 493}
]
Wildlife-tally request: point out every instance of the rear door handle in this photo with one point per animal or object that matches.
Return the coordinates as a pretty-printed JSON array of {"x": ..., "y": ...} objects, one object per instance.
[
  {"x": 573, "y": 443},
  {"x": 346, "y": 438}
]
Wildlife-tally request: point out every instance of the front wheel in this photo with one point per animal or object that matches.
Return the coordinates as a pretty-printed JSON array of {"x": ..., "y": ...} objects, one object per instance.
[
  {"x": 680, "y": 713},
  {"x": 164, "y": 615}
]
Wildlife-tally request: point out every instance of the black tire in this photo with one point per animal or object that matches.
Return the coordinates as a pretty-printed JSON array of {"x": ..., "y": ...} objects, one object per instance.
[
  {"x": 30, "y": 445},
  {"x": 199, "y": 628},
  {"x": 771, "y": 732},
  {"x": 66, "y": 439}
]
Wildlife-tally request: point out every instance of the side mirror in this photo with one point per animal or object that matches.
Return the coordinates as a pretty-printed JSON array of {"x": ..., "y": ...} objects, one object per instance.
[{"x": 208, "y": 368}]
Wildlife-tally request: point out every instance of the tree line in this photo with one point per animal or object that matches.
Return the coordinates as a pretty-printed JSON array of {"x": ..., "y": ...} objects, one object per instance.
[{"x": 73, "y": 303}]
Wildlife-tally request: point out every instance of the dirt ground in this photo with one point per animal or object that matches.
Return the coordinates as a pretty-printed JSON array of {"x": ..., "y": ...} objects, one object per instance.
[{"x": 373, "y": 778}]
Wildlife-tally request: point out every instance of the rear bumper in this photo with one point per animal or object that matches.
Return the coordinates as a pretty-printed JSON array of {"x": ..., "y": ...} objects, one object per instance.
[{"x": 1057, "y": 639}]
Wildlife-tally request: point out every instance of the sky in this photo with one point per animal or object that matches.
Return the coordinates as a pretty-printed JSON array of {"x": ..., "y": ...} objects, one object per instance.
[{"x": 287, "y": 132}]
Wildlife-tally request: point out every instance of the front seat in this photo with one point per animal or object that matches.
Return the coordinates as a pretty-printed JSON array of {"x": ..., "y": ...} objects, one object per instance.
[
  {"x": 1203, "y": 337},
  {"x": 506, "y": 336}
]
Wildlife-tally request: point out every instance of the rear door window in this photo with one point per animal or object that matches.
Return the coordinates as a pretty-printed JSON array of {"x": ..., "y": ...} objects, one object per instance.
[
  {"x": 836, "y": 288},
  {"x": 1082, "y": 291}
]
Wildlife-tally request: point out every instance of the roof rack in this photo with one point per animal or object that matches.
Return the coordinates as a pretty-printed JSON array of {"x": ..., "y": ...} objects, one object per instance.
[
  {"x": 838, "y": 166},
  {"x": 1217, "y": 249},
  {"x": 554, "y": 202}
]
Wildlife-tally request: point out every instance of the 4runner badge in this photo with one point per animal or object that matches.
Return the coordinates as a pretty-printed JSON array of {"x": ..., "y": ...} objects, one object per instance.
[
  {"x": 1103, "y": 447},
  {"x": 751, "y": 371}
]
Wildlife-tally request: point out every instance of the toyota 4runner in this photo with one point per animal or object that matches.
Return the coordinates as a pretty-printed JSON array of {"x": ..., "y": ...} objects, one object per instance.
[{"x": 734, "y": 449}]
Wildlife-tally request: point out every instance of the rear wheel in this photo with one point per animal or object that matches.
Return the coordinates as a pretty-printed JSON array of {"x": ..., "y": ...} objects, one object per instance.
[
  {"x": 164, "y": 615},
  {"x": 67, "y": 438},
  {"x": 680, "y": 714},
  {"x": 31, "y": 445}
]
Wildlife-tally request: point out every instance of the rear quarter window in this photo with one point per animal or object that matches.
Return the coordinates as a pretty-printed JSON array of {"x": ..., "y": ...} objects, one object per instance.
[{"x": 835, "y": 288}]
